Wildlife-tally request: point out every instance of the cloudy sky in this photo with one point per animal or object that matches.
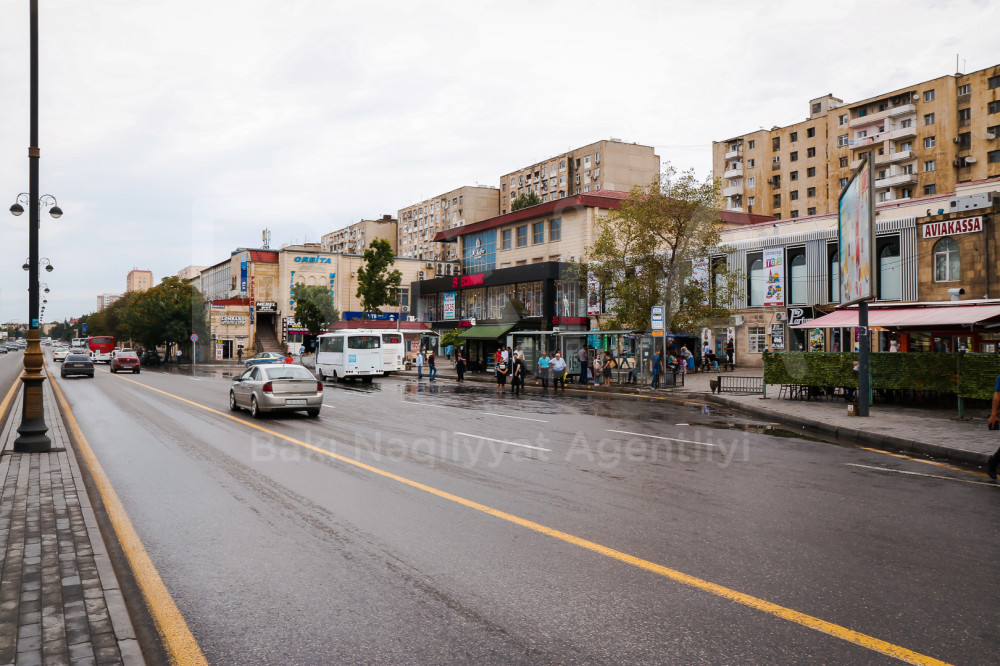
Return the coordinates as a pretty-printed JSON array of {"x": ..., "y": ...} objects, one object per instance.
[{"x": 172, "y": 132}]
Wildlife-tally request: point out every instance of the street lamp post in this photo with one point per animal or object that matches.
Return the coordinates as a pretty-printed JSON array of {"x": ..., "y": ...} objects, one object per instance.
[{"x": 32, "y": 433}]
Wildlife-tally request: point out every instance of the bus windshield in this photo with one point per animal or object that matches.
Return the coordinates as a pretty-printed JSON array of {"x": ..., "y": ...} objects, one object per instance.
[
  {"x": 363, "y": 342},
  {"x": 392, "y": 338}
]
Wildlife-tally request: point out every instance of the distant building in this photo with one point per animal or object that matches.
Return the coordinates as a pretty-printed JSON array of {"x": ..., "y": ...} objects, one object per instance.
[
  {"x": 104, "y": 300},
  {"x": 419, "y": 222},
  {"x": 138, "y": 280},
  {"x": 189, "y": 273},
  {"x": 356, "y": 238}
]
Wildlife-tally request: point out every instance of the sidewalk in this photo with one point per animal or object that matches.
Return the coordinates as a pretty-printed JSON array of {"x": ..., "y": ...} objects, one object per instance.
[
  {"x": 938, "y": 433},
  {"x": 60, "y": 602}
]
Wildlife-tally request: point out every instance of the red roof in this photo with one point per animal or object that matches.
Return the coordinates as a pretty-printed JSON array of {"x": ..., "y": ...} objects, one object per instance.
[
  {"x": 263, "y": 257},
  {"x": 232, "y": 301},
  {"x": 606, "y": 199},
  {"x": 737, "y": 217},
  {"x": 379, "y": 323}
]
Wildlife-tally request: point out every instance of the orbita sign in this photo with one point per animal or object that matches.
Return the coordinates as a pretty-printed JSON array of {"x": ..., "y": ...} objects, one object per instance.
[{"x": 966, "y": 225}]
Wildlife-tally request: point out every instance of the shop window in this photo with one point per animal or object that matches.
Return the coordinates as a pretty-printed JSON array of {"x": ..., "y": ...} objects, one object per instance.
[
  {"x": 797, "y": 283},
  {"x": 947, "y": 264},
  {"x": 890, "y": 270},
  {"x": 756, "y": 339},
  {"x": 755, "y": 285}
]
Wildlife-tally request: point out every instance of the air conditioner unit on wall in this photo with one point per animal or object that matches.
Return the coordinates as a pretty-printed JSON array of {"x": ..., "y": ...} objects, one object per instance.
[
  {"x": 737, "y": 320},
  {"x": 421, "y": 275},
  {"x": 780, "y": 316}
]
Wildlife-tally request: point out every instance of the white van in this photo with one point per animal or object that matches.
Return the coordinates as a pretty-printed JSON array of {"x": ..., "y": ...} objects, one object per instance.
[
  {"x": 393, "y": 347},
  {"x": 349, "y": 354}
]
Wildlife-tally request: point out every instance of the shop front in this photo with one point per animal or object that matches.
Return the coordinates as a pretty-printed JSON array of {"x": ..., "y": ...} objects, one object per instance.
[{"x": 230, "y": 328}]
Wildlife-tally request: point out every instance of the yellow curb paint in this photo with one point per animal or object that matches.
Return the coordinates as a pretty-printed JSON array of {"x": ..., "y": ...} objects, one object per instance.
[
  {"x": 180, "y": 644},
  {"x": 808, "y": 621},
  {"x": 10, "y": 396},
  {"x": 921, "y": 460}
]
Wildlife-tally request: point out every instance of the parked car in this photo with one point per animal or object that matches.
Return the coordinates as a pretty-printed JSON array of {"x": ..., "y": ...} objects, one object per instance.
[
  {"x": 150, "y": 357},
  {"x": 102, "y": 357},
  {"x": 265, "y": 358},
  {"x": 59, "y": 355},
  {"x": 273, "y": 388},
  {"x": 11, "y": 346},
  {"x": 77, "y": 364},
  {"x": 3, "y": 349},
  {"x": 125, "y": 360}
]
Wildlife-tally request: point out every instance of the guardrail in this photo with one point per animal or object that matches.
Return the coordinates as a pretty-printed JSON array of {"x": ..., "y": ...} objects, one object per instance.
[{"x": 734, "y": 384}]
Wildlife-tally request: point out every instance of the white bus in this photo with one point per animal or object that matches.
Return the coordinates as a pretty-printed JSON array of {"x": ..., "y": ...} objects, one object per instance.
[
  {"x": 393, "y": 347},
  {"x": 349, "y": 354}
]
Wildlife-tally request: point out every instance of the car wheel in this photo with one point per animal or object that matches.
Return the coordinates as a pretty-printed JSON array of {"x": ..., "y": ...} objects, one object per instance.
[
  {"x": 313, "y": 412},
  {"x": 254, "y": 409},
  {"x": 232, "y": 402},
  {"x": 136, "y": 371}
]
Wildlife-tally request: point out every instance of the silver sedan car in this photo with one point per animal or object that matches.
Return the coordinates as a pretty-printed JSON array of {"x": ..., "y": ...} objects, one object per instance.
[{"x": 276, "y": 388}]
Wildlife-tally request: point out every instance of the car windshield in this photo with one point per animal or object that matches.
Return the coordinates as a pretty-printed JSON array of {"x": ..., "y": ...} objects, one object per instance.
[
  {"x": 127, "y": 354},
  {"x": 288, "y": 372}
]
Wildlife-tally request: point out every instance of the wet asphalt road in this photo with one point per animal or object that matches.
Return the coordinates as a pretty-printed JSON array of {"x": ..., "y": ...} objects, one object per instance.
[{"x": 278, "y": 554}]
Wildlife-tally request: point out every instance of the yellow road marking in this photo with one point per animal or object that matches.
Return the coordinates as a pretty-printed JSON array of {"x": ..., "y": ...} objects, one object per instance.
[
  {"x": 181, "y": 646},
  {"x": 808, "y": 621},
  {"x": 10, "y": 396},
  {"x": 926, "y": 462}
]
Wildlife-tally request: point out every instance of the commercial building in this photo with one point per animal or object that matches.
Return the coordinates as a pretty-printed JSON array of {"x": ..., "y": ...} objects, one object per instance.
[
  {"x": 927, "y": 138},
  {"x": 610, "y": 164},
  {"x": 418, "y": 223},
  {"x": 138, "y": 280},
  {"x": 355, "y": 238}
]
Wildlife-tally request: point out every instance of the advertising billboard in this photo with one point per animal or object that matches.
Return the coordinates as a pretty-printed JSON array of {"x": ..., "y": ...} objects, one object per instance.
[
  {"x": 774, "y": 277},
  {"x": 856, "y": 238}
]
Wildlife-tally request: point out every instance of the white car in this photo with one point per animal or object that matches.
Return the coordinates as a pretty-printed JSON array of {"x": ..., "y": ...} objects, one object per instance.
[
  {"x": 102, "y": 357},
  {"x": 60, "y": 354}
]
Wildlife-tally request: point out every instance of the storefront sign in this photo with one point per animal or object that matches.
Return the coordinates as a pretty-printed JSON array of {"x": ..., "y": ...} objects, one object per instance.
[
  {"x": 233, "y": 320},
  {"x": 478, "y": 252},
  {"x": 774, "y": 277},
  {"x": 357, "y": 314},
  {"x": 449, "y": 305},
  {"x": 267, "y": 306},
  {"x": 777, "y": 336},
  {"x": 218, "y": 351},
  {"x": 312, "y": 260},
  {"x": 218, "y": 307},
  {"x": 801, "y": 315},
  {"x": 966, "y": 225},
  {"x": 468, "y": 280},
  {"x": 243, "y": 277}
]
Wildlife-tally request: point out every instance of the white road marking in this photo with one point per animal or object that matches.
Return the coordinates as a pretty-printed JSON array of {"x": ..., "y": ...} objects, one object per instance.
[
  {"x": 489, "y": 439},
  {"x": 929, "y": 476},
  {"x": 520, "y": 418},
  {"x": 682, "y": 424},
  {"x": 670, "y": 439}
]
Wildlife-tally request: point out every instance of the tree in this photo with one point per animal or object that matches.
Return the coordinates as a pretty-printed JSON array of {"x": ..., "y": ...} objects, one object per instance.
[
  {"x": 645, "y": 253},
  {"x": 377, "y": 285},
  {"x": 314, "y": 307},
  {"x": 525, "y": 200},
  {"x": 167, "y": 313}
]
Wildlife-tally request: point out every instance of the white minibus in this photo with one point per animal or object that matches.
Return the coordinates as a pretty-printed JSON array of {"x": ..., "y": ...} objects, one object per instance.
[{"x": 349, "y": 354}]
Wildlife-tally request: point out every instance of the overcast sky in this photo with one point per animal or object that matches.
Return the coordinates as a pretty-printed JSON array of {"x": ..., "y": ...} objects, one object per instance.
[{"x": 172, "y": 132}]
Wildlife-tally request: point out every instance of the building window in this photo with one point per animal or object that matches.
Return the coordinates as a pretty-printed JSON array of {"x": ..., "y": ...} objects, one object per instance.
[
  {"x": 994, "y": 82},
  {"x": 751, "y": 163},
  {"x": 843, "y": 183},
  {"x": 555, "y": 229},
  {"x": 811, "y": 210},
  {"x": 811, "y": 192},
  {"x": 793, "y": 137},
  {"x": 964, "y": 89},
  {"x": 890, "y": 270},
  {"x": 753, "y": 200},
  {"x": 794, "y": 156},
  {"x": 756, "y": 340},
  {"x": 928, "y": 95},
  {"x": 794, "y": 195},
  {"x": 751, "y": 143},
  {"x": 928, "y": 119},
  {"x": 964, "y": 115},
  {"x": 907, "y": 169},
  {"x": 755, "y": 292},
  {"x": 797, "y": 279},
  {"x": 522, "y": 236},
  {"x": 538, "y": 233},
  {"x": 794, "y": 175},
  {"x": 794, "y": 213},
  {"x": 929, "y": 165},
  {"x": 817, "y": 107},
  {"x": 506, "y": 238},
  {"x": 810, "y": 132},
  {"x": 777, "y": 200},
  {"x": 993, "y": 107},
  {"x": 930, "y": 189},
  {"x": 751, "y": 182},
  {"x": 776, "y": 143},
  {"x": 905, "y": 146},
  {"x": 947, "y": 265},
  {"x": 929, "y": 142},
  {"x": 965, "y": 140},
  {"x": 842, "y": 141},
  {"x": 993, "y": 156},
  {"x": 842, "y": 120},
  {"x": 811, "y": 172},
  {"x": 810, "y": 152},
  {"x": 994, "y": 130},
  {"x": 844, "y": 163}
]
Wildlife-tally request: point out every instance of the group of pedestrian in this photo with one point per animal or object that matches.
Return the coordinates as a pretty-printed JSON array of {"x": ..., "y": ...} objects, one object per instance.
[{"x": 429, "y": 361}]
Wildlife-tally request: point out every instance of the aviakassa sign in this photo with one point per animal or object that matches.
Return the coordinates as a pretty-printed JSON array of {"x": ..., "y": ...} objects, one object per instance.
[{"x": 966, "y": 225}]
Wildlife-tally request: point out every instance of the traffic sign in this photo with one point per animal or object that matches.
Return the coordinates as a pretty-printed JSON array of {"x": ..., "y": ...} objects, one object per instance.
[
  {"x": 656, "y": 318},
  {"x": 194, "y": 337}
]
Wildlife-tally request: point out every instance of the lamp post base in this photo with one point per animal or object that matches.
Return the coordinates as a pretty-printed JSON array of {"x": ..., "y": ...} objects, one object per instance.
[{"x": 32, "y": 431}]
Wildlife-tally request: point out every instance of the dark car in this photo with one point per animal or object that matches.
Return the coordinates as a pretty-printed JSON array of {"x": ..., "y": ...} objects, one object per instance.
[
  {"x": 77, "y": 364},
  {"x": 125, "y": 360},
  {"x": 150, "y": 358}
]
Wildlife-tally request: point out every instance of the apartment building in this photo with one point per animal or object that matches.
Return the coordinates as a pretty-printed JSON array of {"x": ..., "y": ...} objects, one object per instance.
[
  {"x": 927, "y": 138},
  {"x": 104, "y": 300},
  {"x": 356, "y": 238},
  {"x": 138, "y": 280},
  {"x": 611, "y": 164},
  {"x": 419, "y": 222}
]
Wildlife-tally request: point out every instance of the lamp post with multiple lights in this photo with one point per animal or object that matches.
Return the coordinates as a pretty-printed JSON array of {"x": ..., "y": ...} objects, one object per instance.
[{"x": 32, "y": 433}]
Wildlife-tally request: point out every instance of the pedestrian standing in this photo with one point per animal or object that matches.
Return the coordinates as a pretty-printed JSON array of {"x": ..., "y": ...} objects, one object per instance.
[
  {"x": 730, "y": 352},
  {"x": 431, "y": 367},
  {"x": 420, "y": 364},
  {"x": 993, "y": 423},
  {"x": 460, "y": 364},
  {"x": 239, "y": 354},
  {"x": 501, "y": 372},
  {"x": 558, "y": 369},
  {"x": 543, "y": 370},
  {"x": 654, "y": 369},
  {"x": 684, "y": 355},
  {"x": 517, "y": 374},
  {"x": 178, "y": 354},
  {"x": 581, "y": 356},
  {"x": 606, "y": 369}
]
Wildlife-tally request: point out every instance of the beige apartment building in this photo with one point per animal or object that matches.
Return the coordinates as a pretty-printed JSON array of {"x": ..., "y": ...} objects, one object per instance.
[
  {"x": 611, "y": 164},
  {"x": 420, "y": 222},
  {"x": 927, "y": 138},
  {"x": 356, "y": 238},
  {"x": 138, "y": 280},
  {"x": 104, "y": 300}
]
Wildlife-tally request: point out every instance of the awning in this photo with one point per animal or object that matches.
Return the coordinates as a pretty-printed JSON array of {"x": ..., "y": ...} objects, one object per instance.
[
  {"x": 485, "y": 332},
  {"x": 913, "y": 318}
]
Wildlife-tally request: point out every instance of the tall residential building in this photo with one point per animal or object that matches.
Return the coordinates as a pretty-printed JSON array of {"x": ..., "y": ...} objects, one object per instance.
[
  {"x": 104, "y": 300},
  {"x": 606, "y": 165},
  {"x": 928, "y": 138},
  {"x": 138, "y": 280},
  {"x": 189, "y": 273},
  {"x": 354, "y": 239},
  {"x": 419, "y": 222}
]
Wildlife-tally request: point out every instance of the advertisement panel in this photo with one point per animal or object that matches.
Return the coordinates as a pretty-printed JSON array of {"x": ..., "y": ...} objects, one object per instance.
[
  {"x": 856, "y": 238},
  {"x": 593, "y": 295},
  {"x": 449, "y": 305},
  {"x": 243, "y": 277},
  {"x": 774, "y": 277}
]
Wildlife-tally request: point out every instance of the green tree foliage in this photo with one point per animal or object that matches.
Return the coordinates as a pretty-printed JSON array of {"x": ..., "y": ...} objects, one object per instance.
[
  {"x": 644, "y": 255},
  {"x": 314, "y": 307},
  {"x": 377, "y": 284},
  {"x": 525, "y": 200},
  {"x": 165, "y": 314}
]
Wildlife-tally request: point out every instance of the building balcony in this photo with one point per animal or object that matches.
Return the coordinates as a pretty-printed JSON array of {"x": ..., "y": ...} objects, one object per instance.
[
  {"x": 732, "y": 190},
  {"x": 901, "y": 133},
  {"x": 895, "y": 180},
  {"x": 890, "y": 158},
  {"x": 734, "y": 173},
  {"x": 873, "y": 118},
  {"x": 735, "y": 154}
]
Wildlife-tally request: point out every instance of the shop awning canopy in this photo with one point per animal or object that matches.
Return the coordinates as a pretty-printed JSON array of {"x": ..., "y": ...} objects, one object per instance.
[
  {"x": 485, "y": 332},
  {"x": 915, "y": 318}
]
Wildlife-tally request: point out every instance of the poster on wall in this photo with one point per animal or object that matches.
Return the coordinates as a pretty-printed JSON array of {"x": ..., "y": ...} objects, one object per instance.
[
  {"x": 593, "y": 295},
  {"x": 817, "y": 339},
  {"x": 449, "y": 305},
  {"x": 777, "y": 336},
  {"x": 774, "y": 277}
]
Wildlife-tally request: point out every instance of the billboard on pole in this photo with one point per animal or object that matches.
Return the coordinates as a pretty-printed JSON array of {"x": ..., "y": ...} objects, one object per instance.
[{"x": 856, "y": 238}]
